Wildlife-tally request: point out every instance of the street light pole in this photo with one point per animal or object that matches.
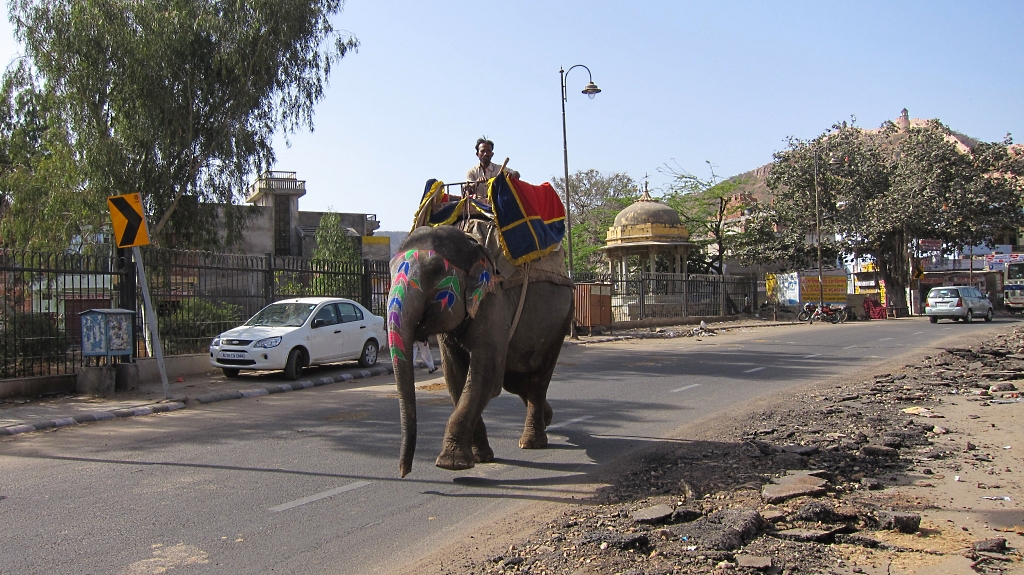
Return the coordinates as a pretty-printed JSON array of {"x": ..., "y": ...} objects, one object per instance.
[
  {"x": 817, "y": 231},
  {"x": 590, "y": 90}
]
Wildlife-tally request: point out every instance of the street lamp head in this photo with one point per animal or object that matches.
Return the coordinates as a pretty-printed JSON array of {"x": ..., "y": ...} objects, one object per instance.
[{"x": 591, "y": 90}]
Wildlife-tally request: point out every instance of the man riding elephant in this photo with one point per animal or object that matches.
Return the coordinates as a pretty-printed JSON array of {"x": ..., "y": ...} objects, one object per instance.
[{"x": 478, "y": 175}]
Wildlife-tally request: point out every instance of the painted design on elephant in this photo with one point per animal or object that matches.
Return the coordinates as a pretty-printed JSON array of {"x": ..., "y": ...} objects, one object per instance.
[
  {"x": 401, "y": 281},
  {"x": 483, "y": 287},
  {"x": 449, "y": 289}
]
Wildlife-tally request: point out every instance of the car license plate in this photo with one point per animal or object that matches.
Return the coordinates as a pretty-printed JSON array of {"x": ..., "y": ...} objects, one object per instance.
[{"x": 231, "y": 355}]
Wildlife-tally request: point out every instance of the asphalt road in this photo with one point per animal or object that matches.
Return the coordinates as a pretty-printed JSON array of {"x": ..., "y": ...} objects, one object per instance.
[{"x": 307, "y": 482}]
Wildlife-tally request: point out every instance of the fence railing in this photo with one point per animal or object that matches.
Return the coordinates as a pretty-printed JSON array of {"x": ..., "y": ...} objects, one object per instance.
[
  {"x": 196, "y": 295},
  {"x": 41, "y": 295},
  {"x": 657, "y": 295}
]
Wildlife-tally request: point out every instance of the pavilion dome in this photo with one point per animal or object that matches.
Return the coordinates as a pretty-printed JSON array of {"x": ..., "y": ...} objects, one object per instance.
[
  {"x": 647, "y": 210},
  {"x": 647, "y": 220}
]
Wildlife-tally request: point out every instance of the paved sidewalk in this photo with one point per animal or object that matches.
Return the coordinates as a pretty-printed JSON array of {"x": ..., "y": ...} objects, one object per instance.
[{"x": 34, "y": 414}]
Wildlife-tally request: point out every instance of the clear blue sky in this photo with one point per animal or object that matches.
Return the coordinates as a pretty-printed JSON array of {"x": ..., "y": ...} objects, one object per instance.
[{"x": 682, "y": 82}]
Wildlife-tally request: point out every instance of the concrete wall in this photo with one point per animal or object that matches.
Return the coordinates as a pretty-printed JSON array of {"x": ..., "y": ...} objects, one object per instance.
[
  {"x": 33, "y": 386},
  {"x": 259, "y": 233},
  {"x": 376, "y": 248},
  {"x": 176, "y": 365}
]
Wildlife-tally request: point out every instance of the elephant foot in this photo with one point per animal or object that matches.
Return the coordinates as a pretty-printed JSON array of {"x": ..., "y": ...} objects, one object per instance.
[
  {"x": 454, "y": 459},
  {"x": 484, "y": 455},
  {"x": 548, "y": 414},
  {"x": 535, "y": 441}
]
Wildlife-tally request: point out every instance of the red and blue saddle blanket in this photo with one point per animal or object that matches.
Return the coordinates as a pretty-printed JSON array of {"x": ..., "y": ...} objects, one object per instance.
[{"x": 530, "y": 219}]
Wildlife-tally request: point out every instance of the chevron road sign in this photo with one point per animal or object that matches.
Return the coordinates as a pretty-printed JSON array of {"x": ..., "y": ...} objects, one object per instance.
[
  {"x": 129, "y": 222},
  {"x": 130, "y": 232}
]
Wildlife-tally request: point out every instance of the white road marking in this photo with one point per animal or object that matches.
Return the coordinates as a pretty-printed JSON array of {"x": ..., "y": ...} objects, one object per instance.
[
  {"x": 850, "y": 347},
  {"x": 755, "y": 369},
  {"x": 917, "y": 333},
  {"x": 570, "y": 422},
  {"x": 319, "y": 496},
  {"x": 691, "y": 386},
  {"x": 885, "y": 338},
  {"x": 639, "y": 438},
  {"x": 812, "y": 355}
]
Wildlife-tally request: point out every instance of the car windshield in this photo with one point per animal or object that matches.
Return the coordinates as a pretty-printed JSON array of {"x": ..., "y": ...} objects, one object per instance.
[
  {"x": 936, "y": 293},
  {"x": 283, "y": 314}
]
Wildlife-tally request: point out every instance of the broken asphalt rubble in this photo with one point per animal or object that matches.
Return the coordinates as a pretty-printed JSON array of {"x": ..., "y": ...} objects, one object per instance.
[{"x": 837, "y": 482}]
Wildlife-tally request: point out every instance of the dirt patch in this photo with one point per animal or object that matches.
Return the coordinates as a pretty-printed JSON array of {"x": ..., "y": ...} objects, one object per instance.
[{"x": 908, "y": 471}]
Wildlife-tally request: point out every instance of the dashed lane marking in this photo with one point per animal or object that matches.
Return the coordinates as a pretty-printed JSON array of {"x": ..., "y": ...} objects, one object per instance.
[
  {"x": 319, "y": 496},
  {"x": 755, "y": 369},
  {"x": 684, "y": 388},
  {"x": 570, "y": 422},
  {"x": 812, "y": 355}
]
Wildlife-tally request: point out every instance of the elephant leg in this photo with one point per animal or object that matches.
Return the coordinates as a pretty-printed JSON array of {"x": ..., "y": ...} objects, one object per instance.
[
  {"x": 456, "y": 364},
  {"x": 482, "y": 452},
  {"x": 456, "y": 367},
  {"x": 461, "y": 431},
  {"x": 456, "y": 371},
  {"x": 532, "y": 389}
]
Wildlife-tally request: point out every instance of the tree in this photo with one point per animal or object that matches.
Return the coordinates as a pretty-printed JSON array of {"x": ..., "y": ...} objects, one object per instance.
[
  {"x": 596, "y": 199},
  {"x": 176, "y": 99},
  {"x": 43, "y": 203},
  {"x": 706, "y": 207},
  {"x": 335, "y": 260},
  {"x": 878, "y": 190}
]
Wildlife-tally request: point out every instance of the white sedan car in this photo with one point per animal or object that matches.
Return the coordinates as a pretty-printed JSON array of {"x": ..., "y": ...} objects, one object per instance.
[{"x": 295, "y": 333}]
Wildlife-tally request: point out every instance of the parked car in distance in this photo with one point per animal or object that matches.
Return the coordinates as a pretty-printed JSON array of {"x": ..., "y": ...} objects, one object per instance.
[
  {"x": 957, "y": 303},
  {"x": 296, "y": 333}
]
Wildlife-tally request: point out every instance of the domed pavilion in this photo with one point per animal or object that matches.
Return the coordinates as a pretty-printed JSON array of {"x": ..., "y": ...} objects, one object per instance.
[{"x": 647, "y": 228}]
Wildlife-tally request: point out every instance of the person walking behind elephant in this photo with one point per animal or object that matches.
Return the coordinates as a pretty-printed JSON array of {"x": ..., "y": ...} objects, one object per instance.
[
  {"x": 422, "y": 349},
  {"x": 478, "y": 175}
]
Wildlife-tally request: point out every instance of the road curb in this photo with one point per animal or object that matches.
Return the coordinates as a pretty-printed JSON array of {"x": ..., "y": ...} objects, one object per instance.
[
  {"x": 174, "y": 405},
  {"x": 40, "y": 425},
  {"x": 671, "y": 334}
]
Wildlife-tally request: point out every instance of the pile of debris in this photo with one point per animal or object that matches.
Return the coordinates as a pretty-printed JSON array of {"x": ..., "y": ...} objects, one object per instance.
[
  {"x": 814, "y": 487},
  {"x": 701, "y": 330}
]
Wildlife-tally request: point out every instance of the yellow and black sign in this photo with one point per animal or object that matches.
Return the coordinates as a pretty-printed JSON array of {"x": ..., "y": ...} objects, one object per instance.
[
  {"x": 918, "y": 272},
  {"x": 129, "y": 221}
]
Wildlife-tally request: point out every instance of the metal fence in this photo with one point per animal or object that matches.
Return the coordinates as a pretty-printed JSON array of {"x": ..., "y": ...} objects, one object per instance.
[
  {"x": 41, "y": 295},
  {"x": 196, "y": 295},
  {"x": 646, "y": 295}
]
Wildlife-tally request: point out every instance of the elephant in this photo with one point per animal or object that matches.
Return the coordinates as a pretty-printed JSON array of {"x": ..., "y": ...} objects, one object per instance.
[{"x": 444, "y": 282}]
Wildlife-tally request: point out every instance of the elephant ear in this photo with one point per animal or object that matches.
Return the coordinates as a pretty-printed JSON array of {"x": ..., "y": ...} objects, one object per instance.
[{"x": 480, "y": 281}]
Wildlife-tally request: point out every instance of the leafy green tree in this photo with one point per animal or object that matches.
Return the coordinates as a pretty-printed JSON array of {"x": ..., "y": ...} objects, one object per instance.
[
  {"x": 336, "y": 260},
  {"x": 710, "y": 210},
  {"x": 878, "y": 190},
  {"x": 43, "y": 200},
  {"x": 175, "y": 99},
  {"x": 596, "y": 199}
]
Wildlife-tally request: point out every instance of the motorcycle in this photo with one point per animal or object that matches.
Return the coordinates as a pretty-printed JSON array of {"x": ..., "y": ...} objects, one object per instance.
[
  {"x": 805, "y": 313},
  {"x": 813, "y": 312}
]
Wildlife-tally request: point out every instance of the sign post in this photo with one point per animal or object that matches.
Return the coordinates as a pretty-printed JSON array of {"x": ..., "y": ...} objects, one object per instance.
[{"x": 130, "y": 231}]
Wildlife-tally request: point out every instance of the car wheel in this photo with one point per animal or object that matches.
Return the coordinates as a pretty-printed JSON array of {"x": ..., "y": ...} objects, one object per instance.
[
  {"x": 933, "y": 319},
  {"x": 969, "y": 317},
  {"x": 293, "y": 369},
  {"x": 369, "y": 356},
  {"x": 230, "y": 372},
  {"x": 989, "y": 315}
]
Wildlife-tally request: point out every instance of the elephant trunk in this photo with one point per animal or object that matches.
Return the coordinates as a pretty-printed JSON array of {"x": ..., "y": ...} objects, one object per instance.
[{"x": 403, "y": 314}]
